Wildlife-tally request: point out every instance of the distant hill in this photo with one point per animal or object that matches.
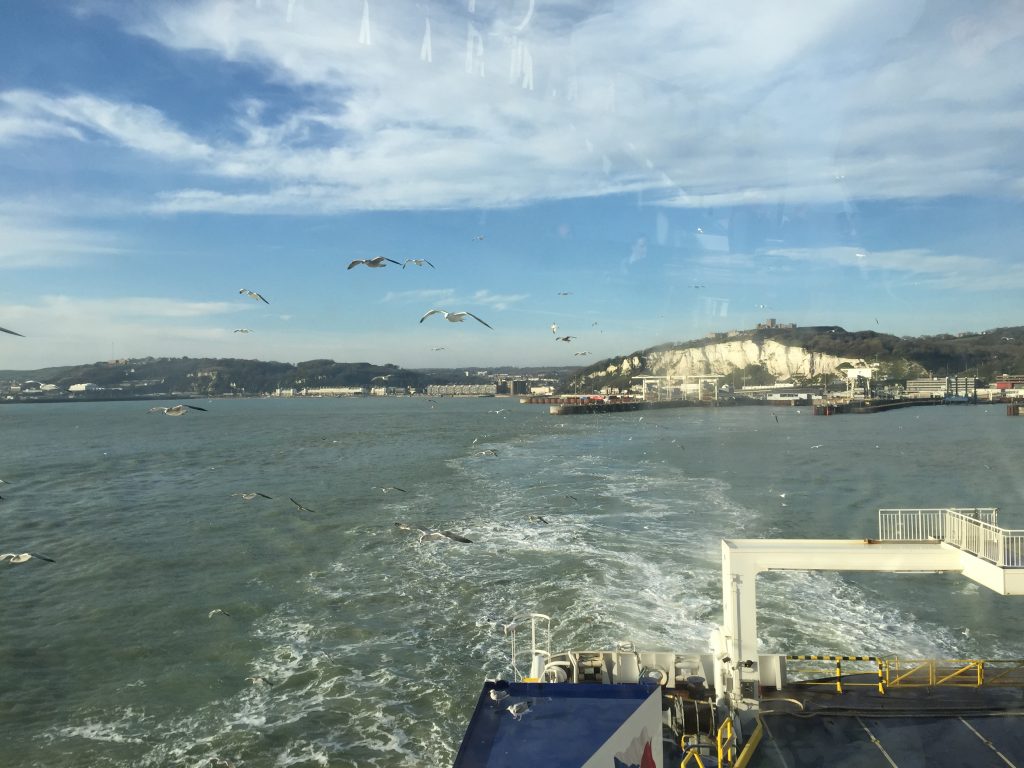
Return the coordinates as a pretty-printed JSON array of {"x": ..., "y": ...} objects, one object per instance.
[
  {"x": 810, "y": 354},
  {"x": 757, "y": 356},
  {"x": 220, "y": 376}
]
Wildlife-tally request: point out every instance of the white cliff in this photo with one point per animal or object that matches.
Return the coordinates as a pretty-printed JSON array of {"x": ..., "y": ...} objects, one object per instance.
[{"x": 781, "y": 361}]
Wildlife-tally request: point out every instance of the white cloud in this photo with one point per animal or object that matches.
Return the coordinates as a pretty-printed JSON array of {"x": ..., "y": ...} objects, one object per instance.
[
  {"x": 440, "y": 294},
  {"x": 142, "y": 128},
  {"x": 948, "y": 271},
  {"x": 676, "y": 98},
  {"x": 498, "y": 301},
  {"x": 27, "y": 243}
]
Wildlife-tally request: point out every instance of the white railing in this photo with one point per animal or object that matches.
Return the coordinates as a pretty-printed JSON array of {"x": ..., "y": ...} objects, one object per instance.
[{"x": 973, "y": 530}]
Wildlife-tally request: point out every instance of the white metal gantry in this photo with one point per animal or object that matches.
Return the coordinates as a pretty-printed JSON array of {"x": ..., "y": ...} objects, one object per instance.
[{"x": 966, "y": 541}]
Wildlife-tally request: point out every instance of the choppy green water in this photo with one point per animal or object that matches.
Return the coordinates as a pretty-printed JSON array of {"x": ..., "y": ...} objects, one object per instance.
[{"x": 376, "y": 644}]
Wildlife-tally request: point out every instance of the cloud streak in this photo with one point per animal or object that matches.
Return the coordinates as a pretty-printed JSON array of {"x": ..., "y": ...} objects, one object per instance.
[
  {"x": 27, "y": 243},
  {"x": 725, "y": 114}
]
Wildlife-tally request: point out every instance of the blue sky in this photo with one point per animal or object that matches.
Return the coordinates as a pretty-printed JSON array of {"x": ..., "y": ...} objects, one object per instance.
[{"x": 674, "y": 168}]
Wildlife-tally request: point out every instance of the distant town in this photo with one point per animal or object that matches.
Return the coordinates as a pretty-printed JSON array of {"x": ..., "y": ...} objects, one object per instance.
[{"x": 774, "y": 362}]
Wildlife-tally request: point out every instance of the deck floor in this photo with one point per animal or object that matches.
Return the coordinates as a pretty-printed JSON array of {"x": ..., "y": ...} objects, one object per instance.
[{"x": 906, "y": 728}]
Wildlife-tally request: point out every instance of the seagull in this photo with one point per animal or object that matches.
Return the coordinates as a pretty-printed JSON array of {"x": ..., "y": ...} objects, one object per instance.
[
  {"x": 258, "y": 680},
  {"x": 381, "y": 378},
  {"x": 538, "y": 519},
  {"x": 428, "y": 535},
  {"x": 418, "y": 263},
  {"x": 438, "y": 535},
  {"x": 388, "y": 488},
  {"x": 565, "y": 293},
  {"x": 375, "y": 262},
  {"x": 554, "y": 328},
  {"x": 242, "y": 330},
  {"x": 175, "y": 410},
  {"x": 299, "y": 506},
  {"x": 566, "y": 339},
  {"x": 250, "y": 495},
  {"x": 216, "y": 611},
  {"x": 253, "y": 295},
  {"x": 24, "y": 557},
  {"x": 453, "y": 317},
  {"x": 488, "y": 452},
  {"x": 437, "y": 349},
  {"x": 580, "y": 354},
  {"x": 13, "y": 333},
  {"x": 478, "y": 237}
]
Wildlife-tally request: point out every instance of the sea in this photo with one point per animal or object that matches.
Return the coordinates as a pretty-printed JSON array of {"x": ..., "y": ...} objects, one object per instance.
[{"x": 373, "y": 645}]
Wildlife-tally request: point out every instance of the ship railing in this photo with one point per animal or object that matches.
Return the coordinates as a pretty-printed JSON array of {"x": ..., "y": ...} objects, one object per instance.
[
  {"x": 540, "y": 640},
  {"x": 894, "y": 672},
  {"x": 974, "y": 530},
  {"x": 850, "y": 679},
  {"x": 967, "y": 673}
]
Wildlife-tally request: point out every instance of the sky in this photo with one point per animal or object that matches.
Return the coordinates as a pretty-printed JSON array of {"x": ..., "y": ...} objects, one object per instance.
[{"x": 629, "y": 173}]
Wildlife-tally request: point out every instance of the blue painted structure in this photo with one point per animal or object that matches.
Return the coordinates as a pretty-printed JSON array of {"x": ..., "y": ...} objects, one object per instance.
[{"x": 564, "y": 724}]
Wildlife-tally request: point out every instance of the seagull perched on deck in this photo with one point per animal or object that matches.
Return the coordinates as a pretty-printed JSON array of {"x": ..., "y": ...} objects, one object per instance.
[
  {"x": 175, "y": 410},
  {"x": 418, "y": 263},
  {"x": 24, "y": 557},
  {"x": 253, "y": 295},
  {"x": 375, "y": 262},
  {"x": 13, "y": 333},
  {"x": 453, "y": 317}
]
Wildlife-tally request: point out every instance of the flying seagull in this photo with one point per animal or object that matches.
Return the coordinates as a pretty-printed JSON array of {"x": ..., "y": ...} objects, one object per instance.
[
  {"x": 566, "y": 339},
  {"x": 24, "y": 557},
  {"x": 554, "y": 328},
  {"x": 453, "y": 317},
  {"x": 13, "y": 333},
  {"x": 428, "y": 535},
  {"x": 299, "y": 506},
  {"x": 488, "y": 452},
  {"x": 258, "y": 680},
  {"x": 565, "y": 293},
  {"x": 253, "y": 295},
  {"x": 250, "y": 495},
  {"x": 538, "y": 519},
  {"x": 217, "y": 611},
  {"x": 242, "y": 330},
  {"x": 376, "y": 261},
  {"x": 418, "y": 263},
  {"x": 389, "y": 488},
  {"x": 175, "y": 410}
]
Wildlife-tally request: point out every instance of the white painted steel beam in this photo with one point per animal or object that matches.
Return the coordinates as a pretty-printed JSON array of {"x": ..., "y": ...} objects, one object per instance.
[{"x": 737, "y": 672}]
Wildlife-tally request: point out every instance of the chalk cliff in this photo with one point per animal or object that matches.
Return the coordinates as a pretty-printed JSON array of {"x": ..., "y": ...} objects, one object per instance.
[{"x": 782, "y": 361}]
